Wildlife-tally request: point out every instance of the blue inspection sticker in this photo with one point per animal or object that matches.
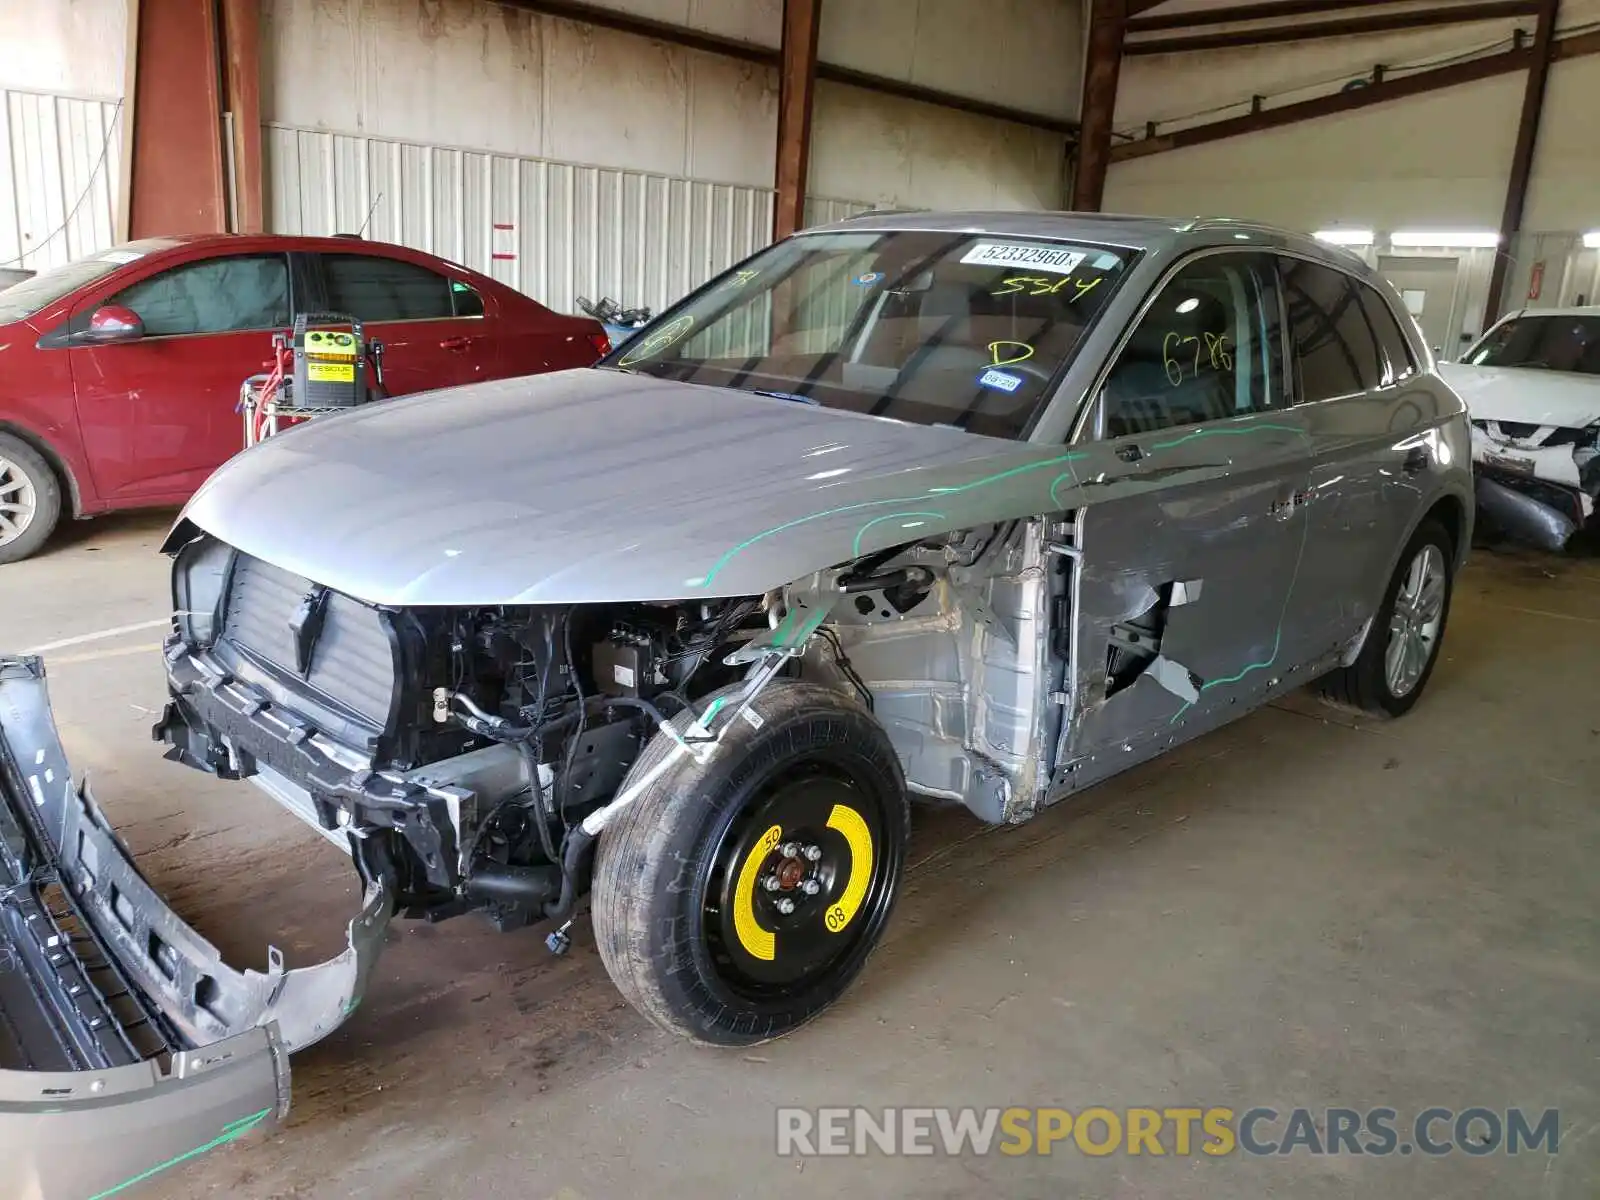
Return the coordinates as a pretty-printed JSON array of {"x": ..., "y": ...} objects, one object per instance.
[
  {"x": 867, "y": 280},
  {"x": 1003, "y": 381}
]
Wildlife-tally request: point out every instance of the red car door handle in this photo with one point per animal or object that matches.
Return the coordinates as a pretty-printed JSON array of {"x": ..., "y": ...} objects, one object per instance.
[{"x": 456, "y": 343}]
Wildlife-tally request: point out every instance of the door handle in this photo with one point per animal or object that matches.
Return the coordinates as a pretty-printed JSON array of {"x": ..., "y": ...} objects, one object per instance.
[
  {"x": 1416, "y": 460},
  {"x": 456, "y": 343}
]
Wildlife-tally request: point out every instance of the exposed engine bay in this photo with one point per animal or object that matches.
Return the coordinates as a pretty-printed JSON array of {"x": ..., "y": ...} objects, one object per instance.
[{"x": 472, "y": 755}]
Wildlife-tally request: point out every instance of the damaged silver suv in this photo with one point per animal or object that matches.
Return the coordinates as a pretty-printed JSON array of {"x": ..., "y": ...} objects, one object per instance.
[{"x": 981, "y": 508}]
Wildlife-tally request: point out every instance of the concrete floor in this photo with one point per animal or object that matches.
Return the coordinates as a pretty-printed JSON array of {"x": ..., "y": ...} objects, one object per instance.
[{"x": 1302, "y": 909}]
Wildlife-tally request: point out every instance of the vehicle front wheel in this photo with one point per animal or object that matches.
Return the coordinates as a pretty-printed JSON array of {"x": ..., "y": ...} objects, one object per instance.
[
  {"x": 1403, "y": 644},
  {"x": 30, "y": 499},
  {"x": 735, "y": 900}
]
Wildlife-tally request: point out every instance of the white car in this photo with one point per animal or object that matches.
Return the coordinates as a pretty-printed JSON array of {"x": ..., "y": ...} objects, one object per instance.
[{"x": 1532, "y": 386}]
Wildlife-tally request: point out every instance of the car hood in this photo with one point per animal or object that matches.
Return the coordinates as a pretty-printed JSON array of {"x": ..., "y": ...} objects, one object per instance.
[
  {"x": 1527, "y": 394},
  {"x": 594, "y": 485}
]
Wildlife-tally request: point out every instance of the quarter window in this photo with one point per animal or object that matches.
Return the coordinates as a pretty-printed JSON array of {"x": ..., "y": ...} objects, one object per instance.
[
  {"x": 1335, "y": 345},
  {"x": 464, "y": 300},
  {"x": 370, "y": 288},
  {"x": 216, "y": 295},
  {"x": 1209, "y": 348}
]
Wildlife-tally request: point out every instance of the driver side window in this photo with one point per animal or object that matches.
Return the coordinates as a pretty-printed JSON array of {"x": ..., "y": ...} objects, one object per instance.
[
  {"x": 1210, "y": 347},
  {"x": 214, "y": 295}
]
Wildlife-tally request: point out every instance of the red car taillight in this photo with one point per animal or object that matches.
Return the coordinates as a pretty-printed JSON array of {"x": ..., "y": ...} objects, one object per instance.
[{"x": 601, "y": 343}]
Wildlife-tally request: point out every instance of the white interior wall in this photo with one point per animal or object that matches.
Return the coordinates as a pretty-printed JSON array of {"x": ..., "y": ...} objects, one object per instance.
[
  {"x": 1023, "y": 54},
  {"x": 61, "y": 79},
  {"x": 898, "y": 153},
  {"x": 470, "y": 74},
  {"x": 1020, "y": 53},
  {"x": 68, "y": 47},
  {"x": 1436, "y": 159},
  {"x": 1564, "y": 189}
]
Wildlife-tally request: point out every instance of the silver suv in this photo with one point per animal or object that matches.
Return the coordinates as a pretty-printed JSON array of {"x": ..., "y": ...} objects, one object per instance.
[{"x": 979, "y": 507}]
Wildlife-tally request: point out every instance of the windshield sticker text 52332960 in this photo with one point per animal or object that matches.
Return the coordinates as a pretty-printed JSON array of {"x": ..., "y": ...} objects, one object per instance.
[{"x": 1043, "y": 258}]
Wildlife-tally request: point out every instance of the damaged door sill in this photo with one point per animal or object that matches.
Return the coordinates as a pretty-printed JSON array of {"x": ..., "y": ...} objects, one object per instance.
[{"x": 127, "y": 1045}]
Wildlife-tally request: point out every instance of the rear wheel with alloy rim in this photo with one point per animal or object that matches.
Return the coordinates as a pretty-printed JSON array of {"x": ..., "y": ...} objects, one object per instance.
[
  {"x": 30, "y": 499},
  {"x": 1416, "y": 619},
  {"x": 1403, "y": 644},
  {"x": 735, "y": 900}
]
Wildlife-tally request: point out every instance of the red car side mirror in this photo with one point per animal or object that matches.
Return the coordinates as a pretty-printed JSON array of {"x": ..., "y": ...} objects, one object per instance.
[{"x": 113, "y": 323}]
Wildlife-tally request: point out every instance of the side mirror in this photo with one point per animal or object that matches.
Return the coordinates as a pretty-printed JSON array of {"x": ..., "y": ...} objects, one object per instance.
[{"x": 112, "y": 323}]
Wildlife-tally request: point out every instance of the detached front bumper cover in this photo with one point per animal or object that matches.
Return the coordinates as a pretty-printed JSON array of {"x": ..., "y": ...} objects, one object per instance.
[
  {"x": 1539, "y": 488},
  {"x": 127, "y": 1046}
]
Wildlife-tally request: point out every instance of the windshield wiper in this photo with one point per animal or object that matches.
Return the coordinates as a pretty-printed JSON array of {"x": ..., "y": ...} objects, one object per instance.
[{"x": 799, "y": 399}]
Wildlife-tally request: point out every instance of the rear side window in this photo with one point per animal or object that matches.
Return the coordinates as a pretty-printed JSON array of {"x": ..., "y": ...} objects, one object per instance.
[
  {"x": 1336, "y": 348},
  {"x": 1390, "y": 337},
  {"x": 386, "y": 289},
  {"x": 215, "y": 295}
]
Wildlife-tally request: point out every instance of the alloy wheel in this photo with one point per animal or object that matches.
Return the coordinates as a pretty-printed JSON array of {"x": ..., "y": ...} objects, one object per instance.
[
  {"x": 18, "y": 501},
  {"x": 1415, "y": 622}
]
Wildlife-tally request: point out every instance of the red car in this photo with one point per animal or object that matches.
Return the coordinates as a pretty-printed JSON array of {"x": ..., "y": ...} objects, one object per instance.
[{"x": 136, "y": 406}]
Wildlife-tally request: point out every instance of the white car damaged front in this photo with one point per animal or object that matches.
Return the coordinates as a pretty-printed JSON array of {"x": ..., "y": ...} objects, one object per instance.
[{"x": 1532, "y": 385}]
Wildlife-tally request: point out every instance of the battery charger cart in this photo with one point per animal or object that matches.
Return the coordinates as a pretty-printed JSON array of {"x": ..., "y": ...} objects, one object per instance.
[{"x": 323, "y": 365}]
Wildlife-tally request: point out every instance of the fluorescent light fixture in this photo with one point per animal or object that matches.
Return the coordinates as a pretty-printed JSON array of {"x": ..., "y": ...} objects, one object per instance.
[
  {"x": 1345, "y": 237},
  {"x": 1189, "y": 305},
  {"x": 1450, "y": 239},
  {"x": 1591, "y": 240}
]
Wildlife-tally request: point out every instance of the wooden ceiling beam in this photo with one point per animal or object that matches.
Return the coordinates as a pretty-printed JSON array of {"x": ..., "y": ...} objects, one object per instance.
[
  {"x": 1235, "y": 14},
  {"x": 1301, "y": 31}
]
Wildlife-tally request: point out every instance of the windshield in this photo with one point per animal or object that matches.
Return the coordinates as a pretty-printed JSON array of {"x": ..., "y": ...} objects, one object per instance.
[
  {"x": 937, "y": 328},
  {"x": 1549, "y": 343},
  {"x": 28, "y": 297}
]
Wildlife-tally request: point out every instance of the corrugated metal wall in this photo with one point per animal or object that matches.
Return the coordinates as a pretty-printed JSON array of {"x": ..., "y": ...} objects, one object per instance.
[
  {"x": 1567, "y": 272},
  {"x": 59, "y": 159},
  {"x": 554, "y": 230}
]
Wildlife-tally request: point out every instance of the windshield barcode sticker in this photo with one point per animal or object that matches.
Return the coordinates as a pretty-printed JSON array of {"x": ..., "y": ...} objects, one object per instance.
[{"x": 1046, "y": 258}]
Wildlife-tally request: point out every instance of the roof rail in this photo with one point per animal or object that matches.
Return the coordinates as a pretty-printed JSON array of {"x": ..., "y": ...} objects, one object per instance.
[{"x": 883, "y": 212}]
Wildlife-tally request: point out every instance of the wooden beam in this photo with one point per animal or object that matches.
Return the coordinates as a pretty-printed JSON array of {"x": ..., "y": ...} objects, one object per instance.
[
  {"x": 241, "y": 70},
  {"x": 797, "y": 85},
  {"x": 911, "y": 91},
  {"x": 1237, "y": 13},
  {"x": 123, "y": 219},
  {"x": 751, "y": 52},
  {"x": 1522, "y": 153},
  {"x": 1578, "y": 46},
  {"x": 1342, "y": 27},
  {"x": 1393, "y": 88},
  {"x": 1373, "y": 94},
  {"x": 1107, "y": 23},
  {"x": 177, "y": 184},
  {"x": 648, "y": 27}
]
